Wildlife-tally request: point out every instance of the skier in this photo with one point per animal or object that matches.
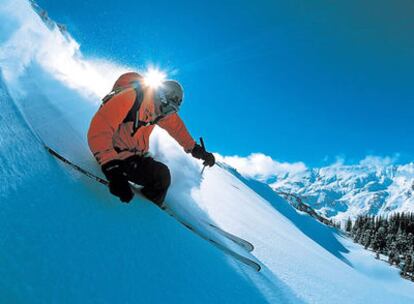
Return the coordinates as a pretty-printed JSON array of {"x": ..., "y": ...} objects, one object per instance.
[{"x": 119, "y": 134}]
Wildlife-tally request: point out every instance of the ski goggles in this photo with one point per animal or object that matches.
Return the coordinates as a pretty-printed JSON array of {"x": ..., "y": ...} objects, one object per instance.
[{"x": 167, "y": 105}]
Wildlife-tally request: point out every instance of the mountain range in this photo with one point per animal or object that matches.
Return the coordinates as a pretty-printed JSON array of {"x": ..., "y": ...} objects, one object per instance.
[{"x": 341, "y": 191}]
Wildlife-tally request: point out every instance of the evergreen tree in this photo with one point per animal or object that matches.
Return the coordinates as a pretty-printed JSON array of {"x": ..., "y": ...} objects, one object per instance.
[
  {"x": 379, "y": 241},
  {"x": 391, "y": 257},
  {"x": 401, "y": 242},
  {"x": 366, "y": 239},
  {"x": 348, "y": 226},
  {"x": 408, "y": 266},
  {"x": 392, "y": 235}
]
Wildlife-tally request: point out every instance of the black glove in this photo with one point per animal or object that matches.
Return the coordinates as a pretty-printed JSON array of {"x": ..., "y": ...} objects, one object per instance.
[
  {"x": 200, "y": 153},
  {"x": 118, "y": 181}
]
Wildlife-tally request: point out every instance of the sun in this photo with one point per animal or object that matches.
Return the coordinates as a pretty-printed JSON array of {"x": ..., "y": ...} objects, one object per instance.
[{"x": 154, "y": 77}]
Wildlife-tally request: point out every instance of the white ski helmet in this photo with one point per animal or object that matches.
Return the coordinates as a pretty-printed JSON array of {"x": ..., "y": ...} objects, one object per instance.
[{"x": 171, "y": 96}]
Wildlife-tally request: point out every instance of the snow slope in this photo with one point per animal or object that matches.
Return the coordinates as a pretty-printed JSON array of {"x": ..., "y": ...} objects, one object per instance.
[{"x": 64, "y": 239}]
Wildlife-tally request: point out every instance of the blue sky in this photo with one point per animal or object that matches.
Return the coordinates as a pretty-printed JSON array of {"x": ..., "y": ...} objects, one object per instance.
[{"x": 297, "y": 80}]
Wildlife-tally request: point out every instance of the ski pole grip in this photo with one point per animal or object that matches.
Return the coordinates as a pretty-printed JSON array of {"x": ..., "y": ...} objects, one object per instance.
[{"x": 202, "y": 143}]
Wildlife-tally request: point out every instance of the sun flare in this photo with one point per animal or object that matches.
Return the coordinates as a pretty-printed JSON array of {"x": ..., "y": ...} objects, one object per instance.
[{"x": 154, "y": 77}]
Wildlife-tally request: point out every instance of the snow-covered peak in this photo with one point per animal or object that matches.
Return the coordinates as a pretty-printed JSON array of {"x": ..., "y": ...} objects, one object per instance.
[{"x": 342, "y": 191}]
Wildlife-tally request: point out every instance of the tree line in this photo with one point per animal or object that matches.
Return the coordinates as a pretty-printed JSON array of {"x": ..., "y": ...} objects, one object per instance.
[{"x": 392, "y": 236}]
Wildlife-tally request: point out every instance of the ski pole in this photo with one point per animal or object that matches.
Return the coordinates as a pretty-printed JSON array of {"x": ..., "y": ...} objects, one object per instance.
[{"x": 204, "y": 147}]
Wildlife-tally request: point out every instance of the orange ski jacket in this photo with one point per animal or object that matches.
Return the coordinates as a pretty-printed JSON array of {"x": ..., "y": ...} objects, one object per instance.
[{"x": 113, "y": 136}]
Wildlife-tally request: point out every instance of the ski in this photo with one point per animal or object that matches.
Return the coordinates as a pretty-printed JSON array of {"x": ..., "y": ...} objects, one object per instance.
[
  {"x": 234, "y": 238},
  {"x": 76, "y": 167},
  {"x": 246, "y": 261}
]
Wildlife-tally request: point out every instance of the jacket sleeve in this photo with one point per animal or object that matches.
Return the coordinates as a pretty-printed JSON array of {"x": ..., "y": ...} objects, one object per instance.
[
  {"x": 176, "y": 128},
  {"x": 105, "y": 123}
]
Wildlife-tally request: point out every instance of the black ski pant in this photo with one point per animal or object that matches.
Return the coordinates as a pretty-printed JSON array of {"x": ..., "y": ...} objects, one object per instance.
[{"x": 153, "y": 175}]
